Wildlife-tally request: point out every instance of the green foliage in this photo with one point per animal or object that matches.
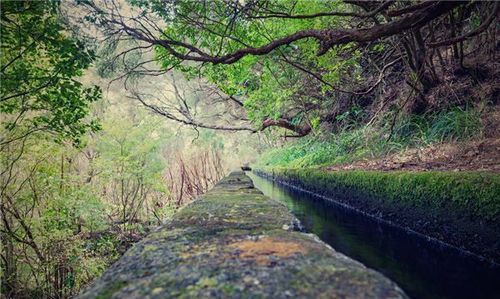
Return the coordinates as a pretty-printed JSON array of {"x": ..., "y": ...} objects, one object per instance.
[
  {"x": 351, "y": 144},
  {"x": 62, "y": 206},
  {"x": 270, "y": 84},
  {"x": 342, "y": 147},
  {"x": 50, "y": 214},
  {"x": 455, "y": 124},
  {"x": 209, "y": 139},
  {"x": 40, "y": 62},
  {"x": 451, "y": 125},
  {"x": 130, "y": 150},
  {"x": 351, "y": 117},
  {"x": 108, "y": 65},
  {"x": 130, "y": 165}
]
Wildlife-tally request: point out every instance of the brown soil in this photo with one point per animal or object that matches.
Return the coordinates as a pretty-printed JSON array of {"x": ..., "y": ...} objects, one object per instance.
[
  {"x": 482, "y": 154},
  {"x": 473, "y": 155}
]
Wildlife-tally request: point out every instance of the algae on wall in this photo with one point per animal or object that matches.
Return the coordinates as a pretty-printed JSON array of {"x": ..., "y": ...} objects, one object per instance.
[
  {"x": 477, "y": 193},
  {"x": 459, "y": 208}
]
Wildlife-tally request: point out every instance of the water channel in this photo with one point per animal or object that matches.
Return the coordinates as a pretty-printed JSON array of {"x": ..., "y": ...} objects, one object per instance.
[{"x": 423, "y": 269}]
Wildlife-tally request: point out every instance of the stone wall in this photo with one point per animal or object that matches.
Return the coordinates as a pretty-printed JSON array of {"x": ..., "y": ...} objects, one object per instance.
[{"x": 234, "y": 242}]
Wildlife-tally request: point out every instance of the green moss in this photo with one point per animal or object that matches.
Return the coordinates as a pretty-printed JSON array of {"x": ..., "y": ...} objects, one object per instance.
[
  {"x": 118, "y": 285},
  {"x": 228, "y": 289},
  {"x": 228, "y": 244},
  {"x": 477, "y": 193},
  {"x": 207, "y": 282}
]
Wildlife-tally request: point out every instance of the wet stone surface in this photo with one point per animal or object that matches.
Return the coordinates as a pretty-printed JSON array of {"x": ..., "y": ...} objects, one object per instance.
[{"x": 235, "y": 242}]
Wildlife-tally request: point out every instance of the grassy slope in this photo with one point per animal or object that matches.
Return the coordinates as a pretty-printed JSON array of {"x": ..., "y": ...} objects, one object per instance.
[
  {"x": 476, "y": 193},
  {"x": 367, "y": 142}
]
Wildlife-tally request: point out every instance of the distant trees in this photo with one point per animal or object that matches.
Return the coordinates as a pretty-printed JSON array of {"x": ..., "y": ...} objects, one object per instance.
[
  {"x": 80, "y": 179},
  {"x": 298, "y": 64},
  {"x": 41, "y": 101},
  {"x": 128, "y": 168}
]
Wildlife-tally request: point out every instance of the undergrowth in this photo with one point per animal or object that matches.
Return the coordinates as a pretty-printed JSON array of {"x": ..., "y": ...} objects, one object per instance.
[{"x": 354, "y": 143}]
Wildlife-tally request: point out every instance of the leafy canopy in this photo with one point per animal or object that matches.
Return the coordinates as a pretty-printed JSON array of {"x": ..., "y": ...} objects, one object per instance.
[
  {"x": 40, "y": 62},
  {"x": 270, "y": 84}
]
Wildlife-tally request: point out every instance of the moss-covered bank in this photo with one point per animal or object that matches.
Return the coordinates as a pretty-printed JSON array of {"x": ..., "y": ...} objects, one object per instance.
[
  {"x": 234, "y": 242},
  {"x": 459, "y": 208}
]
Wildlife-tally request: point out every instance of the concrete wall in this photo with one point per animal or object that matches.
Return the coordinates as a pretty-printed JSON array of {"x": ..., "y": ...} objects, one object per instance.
[{"x": 234, "y": 242}]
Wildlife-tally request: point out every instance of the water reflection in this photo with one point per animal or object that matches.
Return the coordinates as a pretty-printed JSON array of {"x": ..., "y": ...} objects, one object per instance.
[{"x": 421, "y": 268}]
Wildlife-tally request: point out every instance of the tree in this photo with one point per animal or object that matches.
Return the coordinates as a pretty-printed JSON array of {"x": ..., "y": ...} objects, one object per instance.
[
  {"x": 40, "y": 99},
  {"x": 44, "y": 209},
  {"x": 288, "y": 59},
  {"x": 129, "y": 166},
  {"x": 39, "y": 66}
]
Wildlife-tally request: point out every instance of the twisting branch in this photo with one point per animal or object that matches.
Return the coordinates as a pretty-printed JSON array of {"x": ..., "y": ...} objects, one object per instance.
[
  {"x": 301, "y": 130},
  {"x": 478, "y": 30},
  {"x": 186, "y": 118},
  {"x": 327, "y": 38},
  {"x": 410, "y": 8}
]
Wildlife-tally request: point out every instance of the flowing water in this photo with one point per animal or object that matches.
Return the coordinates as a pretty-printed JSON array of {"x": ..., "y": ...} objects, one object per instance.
[{"x": 423, "y": 269}]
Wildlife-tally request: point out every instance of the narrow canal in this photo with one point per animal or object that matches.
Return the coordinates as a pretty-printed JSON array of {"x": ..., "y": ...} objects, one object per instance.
[{"x": 422, "y": 269}]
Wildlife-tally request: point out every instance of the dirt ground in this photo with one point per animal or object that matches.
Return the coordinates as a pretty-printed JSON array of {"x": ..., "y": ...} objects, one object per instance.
[
  {"x": 474, "y": 155},
  {"x": 481, "y": 154}
]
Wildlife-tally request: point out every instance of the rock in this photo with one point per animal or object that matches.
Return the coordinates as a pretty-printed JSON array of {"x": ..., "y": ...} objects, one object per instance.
[{"x": 247, "y": 251}]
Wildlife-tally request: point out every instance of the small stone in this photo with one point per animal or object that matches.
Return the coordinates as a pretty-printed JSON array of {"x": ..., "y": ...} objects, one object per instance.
[
  {"x": 247, "y": 279},
  {"x": 156, "y": 291},
  {"x": 285, "y": 227}
]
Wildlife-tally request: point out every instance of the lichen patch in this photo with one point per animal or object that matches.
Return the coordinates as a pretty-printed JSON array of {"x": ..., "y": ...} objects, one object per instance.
[{"x": 264, "y": 249}]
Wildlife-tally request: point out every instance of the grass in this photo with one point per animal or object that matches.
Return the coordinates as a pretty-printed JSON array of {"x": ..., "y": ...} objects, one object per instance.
[
  {"x": 465, "y": 199},
  {"x": 363, "y": 142}
]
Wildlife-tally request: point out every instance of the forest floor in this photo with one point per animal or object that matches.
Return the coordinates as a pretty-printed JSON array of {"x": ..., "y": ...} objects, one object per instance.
[{"x": 480, "y": 154}]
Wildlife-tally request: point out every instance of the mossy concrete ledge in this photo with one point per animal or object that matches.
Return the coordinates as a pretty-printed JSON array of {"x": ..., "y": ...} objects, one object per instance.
[{"x": 234, "y": 242}]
